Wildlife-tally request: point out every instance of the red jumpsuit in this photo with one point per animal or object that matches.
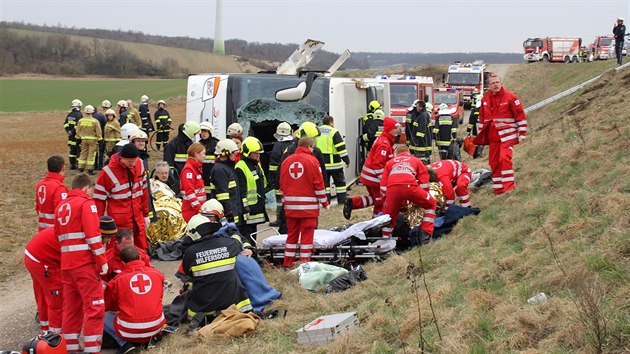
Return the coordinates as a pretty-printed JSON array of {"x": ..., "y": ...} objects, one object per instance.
[
  {"x": 302, "y": 187},
  {"x": 192, "y": 187},
  {"x": 78, "y": 230},
  {"x": 453, "y": 173},
  {"x": 503, "y": 115},
  {"x": 399, "y": 184},
  {"x": 115, "y": 265},
  {"x": 136, "y": 294},
  {"x": 49, "y": 192},
  {"x": 123, "y": 193},
  {"x": 381, "y": 152},
  {"x": 42, "y": 258}
]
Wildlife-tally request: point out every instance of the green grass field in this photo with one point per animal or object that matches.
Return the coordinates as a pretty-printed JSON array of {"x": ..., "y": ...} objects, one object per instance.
[{"x": 37, "y": 95}]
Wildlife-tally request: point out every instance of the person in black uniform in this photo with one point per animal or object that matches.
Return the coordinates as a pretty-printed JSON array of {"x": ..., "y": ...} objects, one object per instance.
[
  {"x": 619, "y": 31},
  {"x": 145, "y": 115},
  {"x": 419, "y": 131},
  {"x": 163, "y": 122},
  {"x": 445, "y": 131},
  {"x": 223, "y": 181},
  {"x": 70, "y": 126},
  {"x": 285, "y": 139},
  {"x": 210, "y": 143}
]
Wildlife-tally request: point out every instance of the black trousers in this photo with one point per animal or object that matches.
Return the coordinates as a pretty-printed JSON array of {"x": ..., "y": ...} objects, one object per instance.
[
  {"x": 340, "y": 184},
  {"x": 618, "y": 51}
]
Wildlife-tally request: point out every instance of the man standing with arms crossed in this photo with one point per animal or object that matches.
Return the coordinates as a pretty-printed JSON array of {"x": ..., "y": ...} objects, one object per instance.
[{"x": 503, "y": 119}]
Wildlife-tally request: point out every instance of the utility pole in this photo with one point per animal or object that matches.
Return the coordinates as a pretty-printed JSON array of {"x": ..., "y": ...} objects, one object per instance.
[{"x": 219, "y": 44}]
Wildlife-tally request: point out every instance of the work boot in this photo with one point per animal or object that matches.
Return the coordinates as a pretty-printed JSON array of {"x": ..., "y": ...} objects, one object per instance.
[
  {"x": 198, "y": 321},
  {"x": 425, "y": 238},
  {"x": 126, "y": 348},
  {"x": 347, "y": 209}
]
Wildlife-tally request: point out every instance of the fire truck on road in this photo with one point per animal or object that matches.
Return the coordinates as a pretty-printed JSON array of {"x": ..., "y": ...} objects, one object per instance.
[
  {"x": 552, "y": 49},
  {"x": 466, "y": 77}
]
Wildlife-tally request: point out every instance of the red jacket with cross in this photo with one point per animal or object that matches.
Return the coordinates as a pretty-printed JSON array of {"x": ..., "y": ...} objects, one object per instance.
[
  {"x": 78, "y": 230},
  {"x": 136, "y": 294},
  {"x": 49, "y": 192},
  {"x": 381, "y": 152},
  {"x": 302, "y": 185}
]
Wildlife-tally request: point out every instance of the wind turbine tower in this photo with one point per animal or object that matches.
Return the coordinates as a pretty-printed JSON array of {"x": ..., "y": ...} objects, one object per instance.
[{"x": 219, "y": 44}]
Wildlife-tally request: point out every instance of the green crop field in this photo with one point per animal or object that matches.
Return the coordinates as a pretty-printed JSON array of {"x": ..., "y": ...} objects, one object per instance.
[{"x": 35, "y": 95}]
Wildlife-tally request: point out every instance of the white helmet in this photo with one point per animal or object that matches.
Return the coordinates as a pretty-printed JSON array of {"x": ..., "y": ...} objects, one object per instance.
[
  {"x": 194, "y": 225},
  {"x": 128, "y": 130},
  {"x": 283, "y": 129},
  {"x": 106, "y": 104},
  {"x": 88, "y": 109},
  {"x": 162, "y": 101},
  {"x": 129, "y": 103},
  {"x": 212, "y": 207},
  {"x": 141, "y": 135},
  {"x": 226, "y": 147},
  {"x": 234, "y": 128},
  {"x": 206, "y": 126},
  {"x": 122, "y": 103},
  {"x": 429, "y": 107},
  {"x": 144, "y": 98},
  {"x": 379, "y": 114},
  {"x": 76, "y": 103},
  {"x": 443, "y": 106},
  {"x": 110, "y": 112}
]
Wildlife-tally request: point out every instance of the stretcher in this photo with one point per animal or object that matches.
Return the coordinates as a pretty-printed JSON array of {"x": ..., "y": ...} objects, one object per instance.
[{"x": 360, "y": 241}]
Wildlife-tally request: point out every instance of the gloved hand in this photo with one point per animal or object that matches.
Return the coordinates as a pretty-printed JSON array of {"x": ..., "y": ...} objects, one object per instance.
[
  {"x": 147, "y": 221},
  {"x": 521, "y": 138},
  {"x": 104, "y": 269}
]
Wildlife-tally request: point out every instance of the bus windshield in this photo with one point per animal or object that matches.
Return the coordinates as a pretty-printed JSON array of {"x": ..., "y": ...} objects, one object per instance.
[
  {"x": 254, "y": 100},
  {"x": 403, "y": 94},
  {"x": 469, "y": 79}
]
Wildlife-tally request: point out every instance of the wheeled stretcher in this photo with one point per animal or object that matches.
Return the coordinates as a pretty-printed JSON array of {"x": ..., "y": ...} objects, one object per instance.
[{"x": 360, "y": 241}]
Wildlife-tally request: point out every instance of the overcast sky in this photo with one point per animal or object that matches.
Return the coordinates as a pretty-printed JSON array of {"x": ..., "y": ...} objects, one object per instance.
[{"x": 368, "y": 25}]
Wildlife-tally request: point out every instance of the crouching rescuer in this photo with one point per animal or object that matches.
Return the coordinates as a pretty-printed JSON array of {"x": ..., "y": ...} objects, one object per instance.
[
  {"x": 302, "y": 187},
  {"x": 404, "y": 180}
]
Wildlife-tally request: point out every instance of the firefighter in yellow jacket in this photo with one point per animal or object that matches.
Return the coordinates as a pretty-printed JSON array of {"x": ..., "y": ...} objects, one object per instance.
[
  {"x": 112, "y": 133},
  {"x": 89, "y": 131}
]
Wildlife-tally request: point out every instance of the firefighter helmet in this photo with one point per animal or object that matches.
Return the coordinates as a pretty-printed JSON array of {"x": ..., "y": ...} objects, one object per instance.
[
  {"x": 128, "y": 130},
  {"x": 76, "y": 103},
  {"x": 374, "y": 105},
  {"x": 283, "y": 129},
  {"x": 144, "y": 98},
  {"x": 46, "y": 343},
  {"x": 212, "y": 208},
  {"x": 226, "y": 147},
  {"x": 190, "y": 129},
  {"x": 122, "y": 103},
  {"x": 162, "y": 102},
  {"x": 139, "y": 135},
  {"x": 379, "y": 114},
  {"x": 443, "y": 106},
  {"x": 106, "y": 104},
  {"x": 429, "y": 107},
  {"x": 251, "y": 144},
  {"x": 308, "y": 129},
  {"x": 234, "y": 128},
  {"x": 476, "y": 90},
  {"x": 195, "y": 226},
  {"x": 206, "y": 126},
  {"x": 110, "y": 112},
  {"x": 89, "y": 109}
]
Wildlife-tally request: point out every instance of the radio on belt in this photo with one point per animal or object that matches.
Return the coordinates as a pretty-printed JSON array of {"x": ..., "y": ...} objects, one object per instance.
[{"x": 325, "y": 329}]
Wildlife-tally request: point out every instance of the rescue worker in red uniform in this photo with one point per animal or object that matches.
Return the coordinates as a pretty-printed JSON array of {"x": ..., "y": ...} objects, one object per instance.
[
  {"x": 49, "y": 192},
  {"x": 121, "y": 190},
  {"x": 453, "y": 173},
  {"x": 191, "y": 182},
  {"x": 404, "y": 180},
  {"x": 303, "y": 189},
  {"x": 115, "y": 265},
  {"x": 42, "y": 258},
  {"x": 82, "y": 260},
  {"x": 381, "y": 152},
  {"x": 134, "y": 302},
  {"x": 503, "y": 116}
]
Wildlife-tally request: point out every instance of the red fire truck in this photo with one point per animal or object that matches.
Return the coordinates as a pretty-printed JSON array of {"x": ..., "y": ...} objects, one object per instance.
[
  {"x": 555, "y": 49},
  {"x": 466, "y": 77},
  {"x": 453, "y": 98},
  {"x": 603, "y": 48}
]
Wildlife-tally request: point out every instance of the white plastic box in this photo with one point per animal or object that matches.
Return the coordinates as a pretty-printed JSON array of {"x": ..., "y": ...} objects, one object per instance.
[{"x": 325, "y": 329}]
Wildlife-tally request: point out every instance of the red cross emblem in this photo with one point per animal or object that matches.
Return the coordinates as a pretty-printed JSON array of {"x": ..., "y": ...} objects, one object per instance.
[
  {"x": 41, "y": 194},
  {"x": 140, "y": 284},
  {"x": 64, "y": 213},
  {"x": 296, "y": 170}
]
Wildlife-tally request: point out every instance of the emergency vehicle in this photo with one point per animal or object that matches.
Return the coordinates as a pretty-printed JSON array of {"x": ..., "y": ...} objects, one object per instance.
[
  {"x": 466, "y": 77},
  {"x": 403, "y": 91},
  {"x": 603, "y": 48},
  {"x": 552, "y": 49},
  {"x": 453, "y": 98},
  {"x": 259, "y": 102}
]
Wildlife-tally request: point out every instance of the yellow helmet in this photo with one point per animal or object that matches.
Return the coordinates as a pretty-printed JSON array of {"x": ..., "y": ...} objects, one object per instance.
[
  {"x": 374, "y": 105},
  {"x": 226, "y": 147},
  {"x": 308, "y": 129},
  {"x": 252, "y": 144},
  {"x": 191, "y": 128},
  {"x": 379, "y": 114}
]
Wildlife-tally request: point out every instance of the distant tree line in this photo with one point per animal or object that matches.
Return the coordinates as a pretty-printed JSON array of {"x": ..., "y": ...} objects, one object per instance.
[{"x": 60, "y": 55}]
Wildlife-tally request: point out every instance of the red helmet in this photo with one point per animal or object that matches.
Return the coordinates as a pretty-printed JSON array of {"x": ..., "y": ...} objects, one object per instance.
[{"x": 46, "y": 343}]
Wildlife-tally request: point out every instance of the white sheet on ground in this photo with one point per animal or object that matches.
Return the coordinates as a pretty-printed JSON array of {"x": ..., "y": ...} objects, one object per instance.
[{"x": 327, "y": 238}]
